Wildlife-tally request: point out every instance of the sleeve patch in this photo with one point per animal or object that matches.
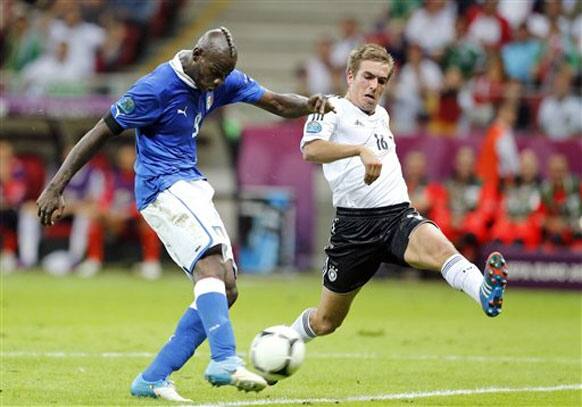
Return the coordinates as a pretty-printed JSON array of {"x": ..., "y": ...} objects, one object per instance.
[
  {"x": 313, "y": 127},
  {"x": 125, "y": 105}
]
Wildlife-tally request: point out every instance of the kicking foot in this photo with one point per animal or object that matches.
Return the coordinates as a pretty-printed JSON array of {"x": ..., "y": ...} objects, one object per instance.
[
  {"x": 493, "y": 286},
  {"x": 163, "y": 389},
  {"x": 231, "y": 371}
]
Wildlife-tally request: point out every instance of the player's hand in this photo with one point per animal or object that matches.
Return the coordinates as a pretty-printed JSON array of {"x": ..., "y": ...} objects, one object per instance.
[
  {"x": 51, "y": 205},
  {"x": 320, "y": 104},
  {"x": 372, "y": 164}
]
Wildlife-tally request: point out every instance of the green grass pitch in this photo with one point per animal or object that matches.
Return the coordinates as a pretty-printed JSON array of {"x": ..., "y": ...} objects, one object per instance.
[{"x": 68, "y": 341}]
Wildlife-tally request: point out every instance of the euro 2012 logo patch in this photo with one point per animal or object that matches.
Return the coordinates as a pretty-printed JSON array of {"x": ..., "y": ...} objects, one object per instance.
[
  {"x": 313, "y": 127},
  {"x": 125, "y": 105}
]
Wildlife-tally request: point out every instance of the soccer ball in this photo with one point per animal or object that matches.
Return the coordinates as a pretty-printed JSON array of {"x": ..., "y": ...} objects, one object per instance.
[{"x": 277, "y": 352}]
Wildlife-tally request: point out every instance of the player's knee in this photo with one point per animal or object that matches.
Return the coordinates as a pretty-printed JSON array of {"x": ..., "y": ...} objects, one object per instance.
[
  {"x": 231, "y": 295},
  {"x": 210, "y": 266}
]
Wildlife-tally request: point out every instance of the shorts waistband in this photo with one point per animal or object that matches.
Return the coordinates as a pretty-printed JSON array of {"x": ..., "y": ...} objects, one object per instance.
[{"x": 380, "y": 211}]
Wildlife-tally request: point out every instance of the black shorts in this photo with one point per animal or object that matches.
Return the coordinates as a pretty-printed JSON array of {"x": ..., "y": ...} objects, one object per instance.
[{"x": 361, "y": 239}]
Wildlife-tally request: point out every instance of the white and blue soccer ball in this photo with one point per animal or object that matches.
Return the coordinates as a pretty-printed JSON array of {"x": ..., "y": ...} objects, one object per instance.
[{"x": 277, "y": 352}]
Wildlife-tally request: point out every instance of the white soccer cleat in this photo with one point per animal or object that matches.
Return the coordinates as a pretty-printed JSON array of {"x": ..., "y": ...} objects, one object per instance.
[
  {"x": 170, "y": 393},
  {"x": 163, "y": 389},
  {"x": 244, "y": 379},
  {"x": 231, "y": 371}
]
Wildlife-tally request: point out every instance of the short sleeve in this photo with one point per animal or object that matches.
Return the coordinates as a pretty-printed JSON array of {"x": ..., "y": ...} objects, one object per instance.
[
  {"x": 138, "y": 107},
  {"x": 239, "y": 87},
  {"x": 321, "y": 129}
]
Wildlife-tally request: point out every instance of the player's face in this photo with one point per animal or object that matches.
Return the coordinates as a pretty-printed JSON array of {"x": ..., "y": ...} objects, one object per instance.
[
  {"x": 366, "y": 86},
  {"x": 212, "y": 73}
]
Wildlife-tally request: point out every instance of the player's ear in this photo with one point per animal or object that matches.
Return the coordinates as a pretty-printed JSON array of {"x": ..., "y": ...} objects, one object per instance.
[
  {"x": 349, "y": 76},
  {"x": 196, "y": 53}
]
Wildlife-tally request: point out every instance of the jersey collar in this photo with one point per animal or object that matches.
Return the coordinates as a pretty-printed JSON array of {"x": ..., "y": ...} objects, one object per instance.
[{"x": 176, "y": 65}]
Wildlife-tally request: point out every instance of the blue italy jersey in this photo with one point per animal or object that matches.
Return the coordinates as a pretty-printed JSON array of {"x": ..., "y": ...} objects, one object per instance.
[{"x": 167, "y": 110}]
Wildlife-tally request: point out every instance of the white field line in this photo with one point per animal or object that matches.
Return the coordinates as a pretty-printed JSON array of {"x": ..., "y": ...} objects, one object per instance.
[
  {"x": 314, "y": 355},
  {"x": 398, "y": 396}
]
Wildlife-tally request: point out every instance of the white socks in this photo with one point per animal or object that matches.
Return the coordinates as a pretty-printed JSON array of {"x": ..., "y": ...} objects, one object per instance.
[
  {"x": 29, "y": 233},
  {"x": 463, "y": 275},
  {"x": 302, "y": 327}
]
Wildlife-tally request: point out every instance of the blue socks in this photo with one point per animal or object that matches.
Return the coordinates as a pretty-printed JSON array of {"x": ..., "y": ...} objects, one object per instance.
[
  {"x": 188, "y": 336},
  {"x": 210, "y": 317},
  {"x": 210, "y": 297}
]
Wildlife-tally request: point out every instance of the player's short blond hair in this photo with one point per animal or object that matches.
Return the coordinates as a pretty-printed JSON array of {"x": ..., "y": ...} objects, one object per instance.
[{"x": 369, "y": 52}]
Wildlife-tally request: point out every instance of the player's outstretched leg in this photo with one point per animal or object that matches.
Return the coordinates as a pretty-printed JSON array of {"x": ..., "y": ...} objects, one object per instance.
[
  {"x": 225, "y": 368},
  {"x": 493, "y": 286},
  {"x": 189, "y": 334}
]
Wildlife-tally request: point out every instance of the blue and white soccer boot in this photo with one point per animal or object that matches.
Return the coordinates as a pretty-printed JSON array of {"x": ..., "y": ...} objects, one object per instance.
[
  {"x": 493, "y": 286},
  {"x": 231, "y": 371},
  {"x": 163, "y": 389}
]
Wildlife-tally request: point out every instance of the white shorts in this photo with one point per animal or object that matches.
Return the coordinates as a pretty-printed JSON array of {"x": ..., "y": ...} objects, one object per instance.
[{"x": 186, "y": 221}]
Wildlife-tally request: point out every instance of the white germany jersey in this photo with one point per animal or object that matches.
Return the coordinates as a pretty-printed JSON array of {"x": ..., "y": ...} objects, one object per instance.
[{"x": 350, "y": 125}]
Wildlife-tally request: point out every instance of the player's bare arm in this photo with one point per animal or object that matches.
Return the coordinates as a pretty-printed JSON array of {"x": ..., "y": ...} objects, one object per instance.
[
  {"x": 290, "y": 105},
  {"x": 323, "y": 151},
  {"x": 51, "y": 203}
]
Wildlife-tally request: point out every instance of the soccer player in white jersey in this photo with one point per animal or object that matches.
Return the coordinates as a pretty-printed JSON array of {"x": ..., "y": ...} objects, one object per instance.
[
  {"x": 167, "y": 107},
  {"x": 375, "y": 222}
]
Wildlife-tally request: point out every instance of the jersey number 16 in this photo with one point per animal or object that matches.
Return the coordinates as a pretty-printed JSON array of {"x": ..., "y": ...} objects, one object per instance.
[{"x": 380, "y": 142}]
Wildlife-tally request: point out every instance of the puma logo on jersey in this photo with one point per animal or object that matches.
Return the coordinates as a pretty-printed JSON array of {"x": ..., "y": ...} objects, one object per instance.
[
  {"x": 359, "y": 123},
  {"x": 180, "y": 111}
]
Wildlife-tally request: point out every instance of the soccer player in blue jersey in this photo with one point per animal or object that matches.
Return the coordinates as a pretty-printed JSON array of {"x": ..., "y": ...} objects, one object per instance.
[{"x": 167, "y": 108}]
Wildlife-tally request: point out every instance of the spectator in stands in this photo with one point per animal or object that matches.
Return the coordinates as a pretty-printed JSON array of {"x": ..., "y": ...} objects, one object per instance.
[
  {"x": 519, "y": 217},
  {"x": 487, "y": 26},
  {"x": 560, "y": 113},
  {"x": 83, "y": 39},
  {"x": 515, "y": 95},
  {"x": 427, "y": 197},
  {"x": 515, "y": 12},
  {"x": 416, "y": 91},
  {"x": 51, "y": 72},
  {"x": 562, "y": 203},
  {"x": 12, "y": 196},
  {"x": 351, "y": 37},
  {"x": 481, "y": 94},
  {"x": 499, "y": 157},
  {"x": 112, "y": 54},
  {"x": 558, "y": 50},
  {"x": 22, "y": 36},
  {"x": 520, "y": 56},
  {"x": 83, "y": 195},
  {"x": 469, "y": 206},
  {"x": 321, "y": 75},
  {"x": 540, "y": 24},
  {"x": 399, "y": 10},
  {"x": 432, "y": 27},
  {"x": 448, "y": 112},
  {"x": 464, "y": 53},
  {"x": 118, "y": 215}
]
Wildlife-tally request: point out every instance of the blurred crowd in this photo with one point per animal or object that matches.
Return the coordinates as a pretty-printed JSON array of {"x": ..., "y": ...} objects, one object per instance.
[
  {"x": 52, "y": 46},
  {"x": 100, "y": 213},
  {"x": 458, "y": 60},
  {"x": 532, "y": 212}
]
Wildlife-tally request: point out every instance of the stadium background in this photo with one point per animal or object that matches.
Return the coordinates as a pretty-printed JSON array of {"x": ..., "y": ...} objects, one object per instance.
[
  {"x": 74, "y": 341},
  {"x": 65, "y": 62}
]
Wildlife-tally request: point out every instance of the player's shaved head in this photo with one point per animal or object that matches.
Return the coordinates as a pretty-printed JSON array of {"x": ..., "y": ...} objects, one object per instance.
[
  {"x": 212, "y": 59},
  {"x": 218, "y": 45}
]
